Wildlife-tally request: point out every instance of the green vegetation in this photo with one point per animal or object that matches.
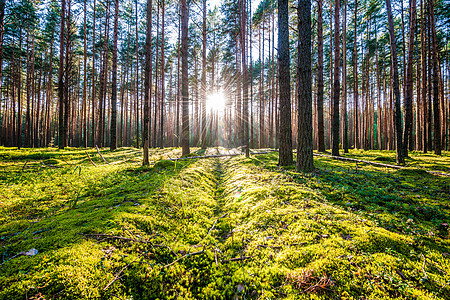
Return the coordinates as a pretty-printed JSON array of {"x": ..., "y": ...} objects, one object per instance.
[{"x": 221, "y": 228}]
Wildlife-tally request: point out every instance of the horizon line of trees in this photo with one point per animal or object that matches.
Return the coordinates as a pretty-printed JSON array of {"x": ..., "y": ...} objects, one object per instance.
[{"x": 363, "y": 74}]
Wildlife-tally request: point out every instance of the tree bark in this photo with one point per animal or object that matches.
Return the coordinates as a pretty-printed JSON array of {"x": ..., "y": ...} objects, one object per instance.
[
  {"x": 113, "y": 128},
  {"x": 409, "y": 78},
  {"x": 355, "y": 79},
  {"x": 344, "y": 86},
  {"x": 203, "y": 79},
  {"x": 305, "y": 161},
  {"x": 436, "y": 105},
  {"x": 184, "y": 78},
  {"x": 61, "y": 131},
  {"x": 320, "y": 85},
  {"x": 336, "y": 84},
  {"x": 285, "y": 134},
  {"x": 397, "y": 112}
]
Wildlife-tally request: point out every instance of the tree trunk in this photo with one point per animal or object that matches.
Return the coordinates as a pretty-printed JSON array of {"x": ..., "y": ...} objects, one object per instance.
[
  {"x": 305, "y": 161},
  {"x": 397, "y": 112},
  {"x": 355, "y": 79},
  {"x": 344, "y": 86},
  {"x": 161, "y": 110},
  {"x": 336, "y": 85},
  {"x": 203, "y": 86},
  {"x": 285, "y": 134},
  {"x": 320, "y": 124},
  {"x": 113, "y": 128},
  {"x": 147, "y": 82},
  {"x": 243, "y": 26},
  {"x": 436, "y": 105},
  {"x": 61, "y": 135},
  {"x": 409, "y": 78},
  {"x": 84, "y": 105},
  {"x": 184, "y": 78}
]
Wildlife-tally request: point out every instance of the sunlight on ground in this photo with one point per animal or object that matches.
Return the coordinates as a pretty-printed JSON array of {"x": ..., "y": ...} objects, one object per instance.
[{"x": 215, "y": 101}]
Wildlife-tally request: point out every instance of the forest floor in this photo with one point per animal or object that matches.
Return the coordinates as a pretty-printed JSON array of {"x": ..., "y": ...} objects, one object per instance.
[{"x": 221, "y": 228}]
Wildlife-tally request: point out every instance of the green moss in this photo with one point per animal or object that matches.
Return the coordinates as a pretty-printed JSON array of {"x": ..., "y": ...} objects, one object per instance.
[
  {"x": 164, "y": 164},
  {"x": 276, "y": 233}
]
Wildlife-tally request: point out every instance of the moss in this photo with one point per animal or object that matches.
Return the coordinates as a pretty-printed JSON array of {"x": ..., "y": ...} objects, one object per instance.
[
  {"x": 276, "y": 233},
  {"x": 164, "y": 164}
]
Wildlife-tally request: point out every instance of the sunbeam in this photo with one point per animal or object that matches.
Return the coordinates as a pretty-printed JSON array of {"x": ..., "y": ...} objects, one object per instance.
[{"x": 215, "y": 101}]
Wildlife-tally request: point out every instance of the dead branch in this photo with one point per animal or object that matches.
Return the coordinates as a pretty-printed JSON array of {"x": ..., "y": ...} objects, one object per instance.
[
  {"x": 120, "y": 272},
  {"x": 50, "y": 166},
  {"x": 214, "y": 224},
  {"x": 93, "y": 163},
  {"x": 184, "y": 256},
  {"x": 423, "y": 267},
  {"x": 236, "y": 259},
  {"x": 122, "y": 238},
  {"x": 98, "y": 151}
]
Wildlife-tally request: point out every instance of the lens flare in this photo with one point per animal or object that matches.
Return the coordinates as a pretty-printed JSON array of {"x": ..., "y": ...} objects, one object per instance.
[{"x": 215, "y": 101}]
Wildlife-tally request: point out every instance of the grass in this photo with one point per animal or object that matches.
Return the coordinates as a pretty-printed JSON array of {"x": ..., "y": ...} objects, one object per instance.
[{"x": 221, "y": 228}]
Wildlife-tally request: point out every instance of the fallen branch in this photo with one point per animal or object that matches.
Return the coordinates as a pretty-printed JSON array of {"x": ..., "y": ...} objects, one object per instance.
[
  {"x": 98, "y": 151},
  {"x": 236, "y": 259},
  {"x": 50, "y": 166},
  {"x": 122, "y": 238},
  {"x": 120, "y": 272},
  {"x": 423, "y": 267},
  {"x": 93, "y": 163},
  {"x": 115, "y": 237},
  {"x": 214, "y": 224},
  {"x": 184, "y": 256}
]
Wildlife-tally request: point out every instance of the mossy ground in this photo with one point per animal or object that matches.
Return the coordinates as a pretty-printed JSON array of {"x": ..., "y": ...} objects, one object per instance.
[{"x": 221, "y": 228}]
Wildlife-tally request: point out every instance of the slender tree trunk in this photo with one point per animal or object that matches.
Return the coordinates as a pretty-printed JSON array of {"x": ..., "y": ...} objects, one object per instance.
[
  {"x": 344, "y": 85},
  {"x": 397, "y": 112},
  {"x": 113, "y": 128},
  {"x": 184, "y": 77},
  {"x": 2, "y": 32},
  {"x": 355, "y": 78},
  {"x": 28, "y": 83},
  {"x": 243, "y": 26},
  {"x": 409, "y": 78},
  {"x": 305, "y": 161},
  {"x": 84, "y": 106},
  {"x": 93, "y": 83},
  {"x": 68, "y": 69},
  {"x": 285, "y": 134},
  {"x": 147, "y": 82},
  {"x": 203, "y": 86},
  {"x": 423, "y": 58},
  {"x": 320, "y": 86},
  {"x": 436, "y": 105},
  {"x": 61, "y": 131},
  {"x": 336, "y": 85},
  {"x": 162, "y": 99}
]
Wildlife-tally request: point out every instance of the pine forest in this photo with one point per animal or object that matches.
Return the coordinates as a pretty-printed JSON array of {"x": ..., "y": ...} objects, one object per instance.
[{"x": 224, "y": 149}]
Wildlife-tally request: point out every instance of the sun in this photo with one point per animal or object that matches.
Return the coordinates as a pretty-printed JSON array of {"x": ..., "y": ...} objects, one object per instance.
[{"x": 215, "y": 101}]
